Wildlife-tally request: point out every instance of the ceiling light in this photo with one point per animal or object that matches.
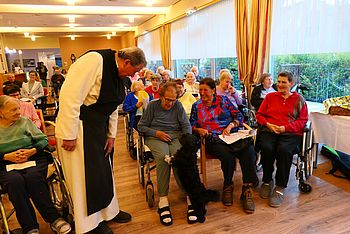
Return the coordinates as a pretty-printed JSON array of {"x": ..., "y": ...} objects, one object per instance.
[
  {"x": 149, "y": 3},
  {"x": 131, "y": 19},
  {"x": 114, "y": 33},
  {"x": 6, "y": 49},
  {"x": 71, "y": 26},
  {"x": 72, "y": 37},
  {"x": 19, "y": 51},
  {"x": 71, "y": 18},
  {"x": 26, "y": 34},
  {"x": 32, "y": 38},
  {"x": 109, "y": 36},
  {"x": 71, "y": 2}
]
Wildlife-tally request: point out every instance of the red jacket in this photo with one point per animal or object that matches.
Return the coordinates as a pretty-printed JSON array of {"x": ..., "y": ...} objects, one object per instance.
[{"x": 291, "y": 113}]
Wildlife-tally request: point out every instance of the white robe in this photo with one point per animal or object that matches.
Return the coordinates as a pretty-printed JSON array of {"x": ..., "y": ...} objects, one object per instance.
[{"x": 82, "y": 86}]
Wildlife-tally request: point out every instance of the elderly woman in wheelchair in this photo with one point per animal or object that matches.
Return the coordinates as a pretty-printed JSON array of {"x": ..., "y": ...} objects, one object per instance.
[
  {"x": 162, "y": 123},
  {"x": 23, "y": 169},
  {"x": 283, "y": 116},
  {"x": 213, "y": 115}
]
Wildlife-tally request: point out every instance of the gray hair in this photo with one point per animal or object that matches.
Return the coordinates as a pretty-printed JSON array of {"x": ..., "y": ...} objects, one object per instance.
[
  {"x": 135, "y": 54},
  {"x": 4, "y": 99},
  {"x": 134, "y": 84}
]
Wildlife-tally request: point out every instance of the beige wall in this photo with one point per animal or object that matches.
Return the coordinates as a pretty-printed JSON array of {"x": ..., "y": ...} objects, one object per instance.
[
  {"x": 128, "y": 39},
  {"x": 82, "y": 44},
  {"x": 19, "y": 42}
]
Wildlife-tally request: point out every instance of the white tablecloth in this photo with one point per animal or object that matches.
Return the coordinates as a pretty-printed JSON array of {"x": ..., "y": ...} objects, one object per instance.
[{"x": 331, "y": 130}]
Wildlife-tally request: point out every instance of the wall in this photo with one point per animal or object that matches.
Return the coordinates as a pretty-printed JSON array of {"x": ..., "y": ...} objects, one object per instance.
[
  {"x": 31, "y": 54},
  {"x": 20, "y": 42},
  {"x": 128, "y": 39},
  {"x": 82, "y": 44}
]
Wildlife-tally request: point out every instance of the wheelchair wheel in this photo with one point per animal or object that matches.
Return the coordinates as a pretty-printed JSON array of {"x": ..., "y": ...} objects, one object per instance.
[
  {"x": 150, "y": 195},
  {"x": 4, "y": 225},
  {"x": 304, "y": 187},
  {"x": 252, "y": 119}
]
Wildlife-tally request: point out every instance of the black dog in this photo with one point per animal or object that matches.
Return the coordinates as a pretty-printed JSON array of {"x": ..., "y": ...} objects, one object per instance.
[{"x": 185, "y": 160}]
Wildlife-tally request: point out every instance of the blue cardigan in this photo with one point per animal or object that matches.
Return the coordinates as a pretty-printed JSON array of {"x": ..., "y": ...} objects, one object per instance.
[{"x": 129, "y": 106}]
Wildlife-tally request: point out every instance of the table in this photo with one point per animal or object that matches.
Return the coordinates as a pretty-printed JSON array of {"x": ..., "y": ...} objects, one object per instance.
[{"x": 332, "y": 130}]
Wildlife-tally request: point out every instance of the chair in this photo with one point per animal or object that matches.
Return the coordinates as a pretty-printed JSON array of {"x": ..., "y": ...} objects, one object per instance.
[{"x": 204, "y": 156}]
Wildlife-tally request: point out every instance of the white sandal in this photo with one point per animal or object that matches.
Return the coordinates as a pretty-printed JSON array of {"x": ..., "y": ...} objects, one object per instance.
[{"x": 60, "y": 226}]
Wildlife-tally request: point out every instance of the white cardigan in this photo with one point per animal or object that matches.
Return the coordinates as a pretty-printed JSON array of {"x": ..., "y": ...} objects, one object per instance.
[{"x": 37, "y": 90}]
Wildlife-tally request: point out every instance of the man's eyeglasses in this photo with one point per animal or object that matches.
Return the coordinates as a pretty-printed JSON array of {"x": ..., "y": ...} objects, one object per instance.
[{"x": 14, "y": 94}]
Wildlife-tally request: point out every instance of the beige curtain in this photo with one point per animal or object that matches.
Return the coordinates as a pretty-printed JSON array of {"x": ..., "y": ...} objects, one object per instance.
[
  {"x": 253, "y": 48},
  {"x": 259, "y": 38},
  {"x": 241, "y": 14},
  {"x": 164, "y": 32}
]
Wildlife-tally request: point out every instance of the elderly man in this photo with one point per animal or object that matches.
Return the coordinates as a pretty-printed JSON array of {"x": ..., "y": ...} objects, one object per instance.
[
  {"x": 86, "y": 129},
  {"x": 11, "y": 80}
]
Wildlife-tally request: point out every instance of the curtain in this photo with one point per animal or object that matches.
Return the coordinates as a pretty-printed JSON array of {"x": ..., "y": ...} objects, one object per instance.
[
  {"x": 259, "y": 38},
  {"x": 310, "y": 27},
  {"x": 208, "y": 33},
  {"x": 241, "y": 14},
  {"x": 150, "y": 44},
  {"x": 253, "y": 47},
  {"x": 165, "y": 39}
]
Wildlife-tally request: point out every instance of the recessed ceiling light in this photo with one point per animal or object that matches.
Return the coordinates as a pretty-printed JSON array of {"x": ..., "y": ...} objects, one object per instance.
[
  {"x": 149, "y": 3},
  {"x": 109, "y": 36},
  {"x": 71, "y": 2},
  {"x": 131, "y": 19},
  {"x": 26, "y": 34},
  {"x": 72, "y": 37},
  {"x": 32, "y": 38},
  {"x": 71, "y": 18},
  {"x": 114, "y": 33}
]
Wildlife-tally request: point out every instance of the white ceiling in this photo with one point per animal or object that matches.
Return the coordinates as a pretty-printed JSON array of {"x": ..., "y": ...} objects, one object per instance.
[{"x": 92, "y": 17}]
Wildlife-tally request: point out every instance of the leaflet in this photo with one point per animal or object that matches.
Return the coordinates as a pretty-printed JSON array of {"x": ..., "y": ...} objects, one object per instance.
[{"x": 241, "y": 134}]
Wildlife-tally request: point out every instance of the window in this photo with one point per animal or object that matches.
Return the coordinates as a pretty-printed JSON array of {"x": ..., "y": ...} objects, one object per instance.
[{"x": 311, "y": 39}]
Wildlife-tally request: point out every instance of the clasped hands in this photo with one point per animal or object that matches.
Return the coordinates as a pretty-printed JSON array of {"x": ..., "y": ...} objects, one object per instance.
[
  {"x": 275, "y": 128},
  {"x": 20, "y": 156}
]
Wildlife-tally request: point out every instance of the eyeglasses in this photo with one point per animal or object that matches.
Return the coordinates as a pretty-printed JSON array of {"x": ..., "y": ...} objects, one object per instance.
[
  {"x": 14, "y": 94},
  {"x": 167, "y": 100}
]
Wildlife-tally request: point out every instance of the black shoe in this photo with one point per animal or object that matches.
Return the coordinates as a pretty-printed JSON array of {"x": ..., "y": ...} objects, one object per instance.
[
  {"x": 247, "y": 199},
  {"x": 102, "y": 228},
  {"x": 122, "y": 217}
]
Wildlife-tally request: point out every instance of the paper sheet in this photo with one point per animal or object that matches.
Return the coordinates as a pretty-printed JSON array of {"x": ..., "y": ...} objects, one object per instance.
[
  {"x": 233, "y": 137},
  {"x": 20, "y": 166}
]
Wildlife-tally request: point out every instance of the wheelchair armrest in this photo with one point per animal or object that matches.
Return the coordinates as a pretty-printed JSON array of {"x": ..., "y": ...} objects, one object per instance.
[
  {"x": 307, "y": 126},
  {"x": 50, "y": 148}
]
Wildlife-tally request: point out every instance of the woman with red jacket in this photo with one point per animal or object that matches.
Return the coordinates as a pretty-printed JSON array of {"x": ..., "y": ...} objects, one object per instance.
[{"x": 283, "y": 116}]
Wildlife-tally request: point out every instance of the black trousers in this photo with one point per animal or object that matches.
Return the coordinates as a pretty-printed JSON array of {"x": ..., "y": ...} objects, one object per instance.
[
  {"x": 227, "y": 154},
  {"x": 279, "y": 148},
  {"x": 29, "y": 183}
]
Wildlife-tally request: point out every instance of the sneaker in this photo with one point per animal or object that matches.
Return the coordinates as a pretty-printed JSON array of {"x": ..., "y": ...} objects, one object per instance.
[
  {"x": 266, "y": 189},
  {"x": 227, "y": 195},
  {"x": 277, "y": 197},
  {"x": 247, "y": 199},
  {"x": 60, "y": 226}
]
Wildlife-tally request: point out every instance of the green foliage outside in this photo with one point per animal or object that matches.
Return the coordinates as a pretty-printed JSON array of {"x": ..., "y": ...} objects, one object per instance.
[{"x": 326, "y": 75}]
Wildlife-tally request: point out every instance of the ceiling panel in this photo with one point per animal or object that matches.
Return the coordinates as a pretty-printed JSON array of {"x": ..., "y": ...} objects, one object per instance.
[{"x": 13, "y": 22}]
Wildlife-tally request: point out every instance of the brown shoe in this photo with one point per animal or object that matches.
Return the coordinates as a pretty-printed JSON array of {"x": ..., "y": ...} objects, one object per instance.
[
  {"x": 247, "y": 199},
  {"x": 227, "y": 195}
]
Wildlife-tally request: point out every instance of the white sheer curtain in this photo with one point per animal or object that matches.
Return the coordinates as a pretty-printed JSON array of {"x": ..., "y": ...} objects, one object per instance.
[
  {"x": 150, "y": 44},
  {"x": 310, "y": 26},
  {"x": 209, "y": 33}
]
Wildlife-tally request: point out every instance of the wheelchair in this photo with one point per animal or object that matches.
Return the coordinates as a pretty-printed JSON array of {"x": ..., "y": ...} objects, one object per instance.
[
  {"x": 129, "y": 137},
  {"x": 59, "y": 193},
  {"x": 145, "y": 164}
]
